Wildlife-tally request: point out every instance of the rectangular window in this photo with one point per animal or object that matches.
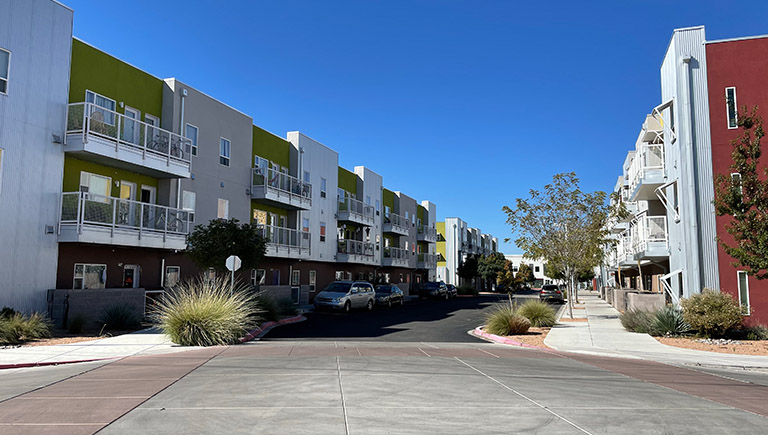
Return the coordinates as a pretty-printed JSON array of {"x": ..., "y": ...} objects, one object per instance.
[
  {"x": 95, "y": 185},
  {"x": 342, "y": 195},
  {"x": 413, "y": 219},
  {"x": 104, "y": 112},
  {"x": 349, "y": 276},
  {"x": 406, "y": 215},
  {"x": 378, "y": 207},
  {"x": 323, "y": 187},
  {"x": 367, "y": 200},
  {"x": 188, "y": 200},
  {"x": 339, "y": 275},
  {"x": 223, "y": 209},
  {"x": 322, "y": 231},
  {"x": 736, "y": 181},
  {"x": 172, "y": 274},
  {"x": 90, "y": 276},
  {"x": 536, "y": 269},
  {"x": 401, "y": 278},
  {"x": 386, "y": 211},
  {"x": 743, "y": 292},
  {"x": 731, "y": 108},
  {"x": 295, "y": 277},
  {"x": 312, "y": 280},
  {"x": 191, "y": 133},
  {"x": 5, "y": 68},
  {"x": 305, "y": 225},
  {"x": 258, "y": 276},
  {"x": 224, "y": 148}
]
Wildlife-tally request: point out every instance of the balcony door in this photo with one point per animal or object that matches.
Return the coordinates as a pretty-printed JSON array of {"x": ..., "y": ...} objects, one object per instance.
[
  {"x": 131, "y": 127},
  {"x": 126, "y": 212},
  {"x": 148, "y": 195}
]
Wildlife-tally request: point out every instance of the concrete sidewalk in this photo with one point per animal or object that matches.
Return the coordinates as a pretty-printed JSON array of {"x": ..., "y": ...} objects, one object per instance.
[
  {"x": 602, "y": 334},
  {"x": 146, "y": 342}
]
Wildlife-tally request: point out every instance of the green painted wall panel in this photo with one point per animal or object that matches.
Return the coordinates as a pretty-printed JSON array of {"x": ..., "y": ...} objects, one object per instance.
[
  {"x": 348, "y": 180},
  {"x": 271, "y": 147},
  {"x": 99, "y": 72},
  {"x": 73, "y": 167},
  {"x": 388, "y": 198},
  {"x": 421, "y": 212}
]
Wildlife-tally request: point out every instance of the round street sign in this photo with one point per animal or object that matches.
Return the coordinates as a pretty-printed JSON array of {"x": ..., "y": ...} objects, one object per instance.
[{"x": 233, "y": 263}]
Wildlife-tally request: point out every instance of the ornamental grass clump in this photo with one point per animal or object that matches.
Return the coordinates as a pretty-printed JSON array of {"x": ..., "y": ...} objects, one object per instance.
[
  {"x": 669, "y": 321},
  {"x": 637, "y": 321},
  {"x": 711, "y": 313},
  {"x": 504, "y": 320},
  {"x": 541, "y": 314},
  {"x": 15, "y": 328},
  {"x": 200, "y": 312},
  {"x": 119, "y": 318}
]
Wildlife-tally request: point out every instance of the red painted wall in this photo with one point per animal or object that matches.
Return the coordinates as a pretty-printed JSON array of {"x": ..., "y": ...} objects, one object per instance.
[{"x": 740, "y": 64}]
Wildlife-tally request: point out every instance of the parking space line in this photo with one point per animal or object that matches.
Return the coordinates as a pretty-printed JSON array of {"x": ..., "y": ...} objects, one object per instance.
[
  {"x": 427, "y": 344},
  {"x": 525, "y": 397},
  {"x": 493, "y": 355},
  {"x": 422, "y": 351},
  {"x": 341, "y": 390}
]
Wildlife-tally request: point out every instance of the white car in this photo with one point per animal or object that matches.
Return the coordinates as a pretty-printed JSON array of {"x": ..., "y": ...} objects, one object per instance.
[{"x": 345, "y": 295}]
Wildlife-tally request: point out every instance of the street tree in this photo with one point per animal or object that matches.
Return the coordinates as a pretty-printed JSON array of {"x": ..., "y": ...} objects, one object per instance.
[
  {"x": 743, "y": 196},
  {"x": 564, "y": 226},
  {"x": 524, "y": 275},
  {"x": 506, "y": 276},
  {"x": 210, "y": 245},
  {"x": 488, "y": 267},
  {"x": 467, "y": 270}
]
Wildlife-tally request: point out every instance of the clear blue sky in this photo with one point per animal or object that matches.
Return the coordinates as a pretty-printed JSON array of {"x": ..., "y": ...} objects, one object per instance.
[{"x": 466, "y": 103}]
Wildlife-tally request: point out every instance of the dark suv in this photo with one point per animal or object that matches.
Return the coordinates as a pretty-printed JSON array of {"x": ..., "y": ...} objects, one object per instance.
[
  {"x": 434, "y": 290},
  {"x": 551, "y": 292}
]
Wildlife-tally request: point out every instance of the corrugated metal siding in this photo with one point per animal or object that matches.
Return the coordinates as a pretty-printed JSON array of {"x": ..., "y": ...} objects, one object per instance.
[{"x": 39, "y": 35}]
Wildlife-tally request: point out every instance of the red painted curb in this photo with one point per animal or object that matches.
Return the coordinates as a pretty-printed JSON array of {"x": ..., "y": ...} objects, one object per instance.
[
  {"x": 50, "y": 363},
  {"x": 267, "y": 326},
  {"x": 503, "y": 340}
]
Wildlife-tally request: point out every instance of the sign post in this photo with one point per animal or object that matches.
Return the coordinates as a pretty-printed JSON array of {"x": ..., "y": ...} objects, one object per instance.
[{"x": 233, "y": 263}]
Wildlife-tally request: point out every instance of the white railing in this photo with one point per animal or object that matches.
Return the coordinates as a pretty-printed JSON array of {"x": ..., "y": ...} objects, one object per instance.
[
  {"x": 395, "y": 253},
  {"x": 428, "y": 259},
  {"x": 427, "y": 232},
  {"x": 648, "y": 229},
  {"x": 282, "y": 182},
  {"x": 285, "y": 237},
  {"x": 89, "y": 119},
  {"x": 85, "y": 209},
  {"x": 649, "y": 157},
  {"x": 354, "y": 206},
  {"x": 355, "y": 247}
]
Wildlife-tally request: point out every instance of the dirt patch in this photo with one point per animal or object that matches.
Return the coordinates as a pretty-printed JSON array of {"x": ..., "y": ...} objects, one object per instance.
[
  {"x": 59, "y": 340},
  {"x": 577, "y": 319},
  {"x": 757, "y": 347},
  {"x": 534, "y": 336}
]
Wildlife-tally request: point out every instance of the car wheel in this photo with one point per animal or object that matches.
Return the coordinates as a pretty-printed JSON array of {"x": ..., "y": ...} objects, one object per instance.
[
  {"x": 389, "y": 303},
  {"x": 347, "y": 307},
  {"x": 369, "y": 307}
]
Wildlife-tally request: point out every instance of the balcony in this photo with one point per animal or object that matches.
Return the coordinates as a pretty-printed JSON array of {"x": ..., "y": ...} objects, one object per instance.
[
  {"x": 286, "y": 242},
  {"x": 89, "y": 218},
  {"x": 653, "y": 130},
  {"x": 395, "y": 257},
  {"x": 110, "y": 138},
  {"x": 646, "y": 172},
  {"x": 395, "y": 224},
  {"x": 649, "y": 237},
  {"x": 426, "y": 261},
  {"x": 355, "y": 251},
  {"x": 280, "y": 190},
  {"x": 426, "y": 234},
  {"x": 352, "y": 210}
]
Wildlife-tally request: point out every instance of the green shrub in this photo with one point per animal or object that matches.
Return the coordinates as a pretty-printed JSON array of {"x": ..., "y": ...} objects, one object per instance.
[
  {"x": 467, "y": 290},
  {"x": 77, "y": 324},
  {"x": 202, "y": 313},
  {"x": 758, "y": 332},
  {"x": 637, "y": 321},
  {"x": 120, "y": 318},
  {"x": 17, "y": 328},
  {"x": 7, "y": 312},
  {"x": 541, "y": 314},
  {"x": 711, "y": 313},
  {"x": 669, "y": 321},
  {"x": 270, "y": 309},
  {"x": 505, "y": 321}
]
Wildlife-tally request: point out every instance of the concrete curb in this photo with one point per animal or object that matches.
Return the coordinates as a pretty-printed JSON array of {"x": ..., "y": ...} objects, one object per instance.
[
  {"x": 268, "y": 326},
  {"x": 479, "y": 333},
  {"x": 52, "y": 363}
]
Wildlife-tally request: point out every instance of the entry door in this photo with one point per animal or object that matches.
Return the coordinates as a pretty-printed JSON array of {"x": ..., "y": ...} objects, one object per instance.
[
  {"x": 148, "y": 211},
  {"x": 152, "y": 133},
  {"x": 131, "y": 275},
  {"x": 126, "y": 211},
  {"x": 131, "y": 126}
]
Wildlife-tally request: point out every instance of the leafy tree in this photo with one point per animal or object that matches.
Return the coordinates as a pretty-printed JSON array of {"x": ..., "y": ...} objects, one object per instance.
[
  {"x": 524, "y": 275},
  {"x": 506, "y": 276},
  {"x": 468, "y": 269},
  {"x": 585, "y": 275},
  {"x": 210, "y": 245},
  {"x": 488, "y": 267},
  {"x": 553, "y": 272},
  {"x": 564, "y": 226},
  {"x": 745, "y": 199}
]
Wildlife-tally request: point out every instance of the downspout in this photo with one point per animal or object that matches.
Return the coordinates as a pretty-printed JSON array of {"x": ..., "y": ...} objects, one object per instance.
[
  {"x": 181, "y": 132},
  {"x": 690, "y": 181}
]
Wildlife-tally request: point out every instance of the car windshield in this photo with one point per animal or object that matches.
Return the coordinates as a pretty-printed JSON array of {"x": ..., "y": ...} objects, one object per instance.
[
  {"x": 430, "y": 285},
  {"x": 383, "y": 289},
  {"x": 549, "y": 287},
  {"x": 338, "y": 287}
]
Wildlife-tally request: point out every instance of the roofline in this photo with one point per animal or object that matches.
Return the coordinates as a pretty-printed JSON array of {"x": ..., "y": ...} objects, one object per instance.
[
  {"x": 743, "y": 38},
  {"x": 115, "y": 57},
  {"x": 63, "y": 5},
  {"x": 679, "y": 29},
  {"x": 166, "y": 80},
  {"x": 273, "y": 134}
]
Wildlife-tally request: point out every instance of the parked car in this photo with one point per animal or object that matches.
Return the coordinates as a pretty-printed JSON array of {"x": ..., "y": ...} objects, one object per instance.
[
  {"x": 435, "y": 290},
  {"x": 389, "y": 294},
  {"x": 452, "y": 290},
  {"x": 551, "y": 292},
  {"x": 346, "y": 295}
]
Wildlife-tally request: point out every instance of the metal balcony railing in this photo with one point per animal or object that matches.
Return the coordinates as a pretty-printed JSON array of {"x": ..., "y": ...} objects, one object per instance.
[
  {"x": 427, "y": 259},
  {"x": 283, "y": 182},
  {"x": 355, "y": 247},
  {"x": 395, "y": 253},
  {"x": 87, "y": 209},
  {"x": 355, "y": 207},
  {"x": 649, "y": 157},
  {"x": 427, "y": 232},
  {"x": 285, "y": 237},
  {"x": 89, "y": 119},
  {"x": 648, "y": 229}
]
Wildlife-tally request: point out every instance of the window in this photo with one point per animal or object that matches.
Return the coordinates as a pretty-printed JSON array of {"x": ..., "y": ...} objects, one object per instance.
[
  {"x": 536, "y": 269},
  {"x": 322, "y": 231},
  {"x": 95, "y": 184},
  {"x": 413, "y": 219},
  {"x": 743, "y": 292},
  {"x": 295, "y": 277},
  {"x": 171, "y": 276},
  {"x": 386, "y": 277},
  {"x": 90, "y": 276},
  {"x": 305, "y": 225},
  {"x": 349, "y": 276},
  {"x": 406, "y": 245},
  {"x": 258, "y": 276},
  {"x": 730, "y": 108},
  {"x": 339, "y": 275},
  {"x": 223, "y": 212},
  {"x": 312, "y": 280},
  {"x": 378, "y": 241},
  {"x": 736, "y": 181},
  {"x": 378, "y": 207},
  {"x": 323, "y": 187},
  {"x": 224, "y": 148},
  {"x": 401, "y": 278},
  {"x": 5, "y": 67},
  {"x": 406, "y": 215},
  {"x": 191, "y": 134},
  {"x": 105, "y": 109},
  {"x": 342, "y": 194},
  {"x": 188, "y": 200},
  {"x": 367, "y": 200},
  {"x": 386, "y": 211}
]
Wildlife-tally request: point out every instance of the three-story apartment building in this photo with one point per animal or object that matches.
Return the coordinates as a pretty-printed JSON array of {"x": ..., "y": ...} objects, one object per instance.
[{"x": 455, "y": 243}]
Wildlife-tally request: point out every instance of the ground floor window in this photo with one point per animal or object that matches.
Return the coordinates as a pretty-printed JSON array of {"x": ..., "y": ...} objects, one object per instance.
[
  {"x": 349, "y": 276},
  {"x": 172, "y": 274},
  {"x": 743, "y": 292},
  {"x": 401, "y": 278},
  {"x": 339, "y": 275},
  {"x": 90, "y": 276},
  {"x": 295, "y": 277},
  {"x": 257, "y": 276},
  {"x": 312, "y": 280}
]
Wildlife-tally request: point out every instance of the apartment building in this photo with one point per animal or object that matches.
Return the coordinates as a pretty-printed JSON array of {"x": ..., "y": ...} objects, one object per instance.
[
  {"x": 456, "y": 242},
  {"x": 35, "y": 53},
  {"x": 537, "y": 267}
]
